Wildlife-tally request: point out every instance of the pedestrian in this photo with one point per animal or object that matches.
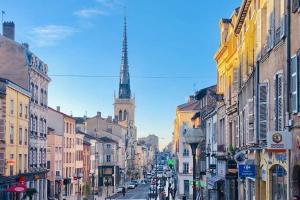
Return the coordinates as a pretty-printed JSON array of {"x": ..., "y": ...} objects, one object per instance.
[{"x": 123, "y": 191}]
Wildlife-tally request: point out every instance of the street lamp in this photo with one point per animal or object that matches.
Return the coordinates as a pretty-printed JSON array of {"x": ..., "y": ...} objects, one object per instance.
[{"x": 193, "y": 137}]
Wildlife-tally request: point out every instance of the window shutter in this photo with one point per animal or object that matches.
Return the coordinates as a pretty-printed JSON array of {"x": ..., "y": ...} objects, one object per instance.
[
  {"x": 271, "y": 31},
  {"x": 295, "y": 5},
  {"x": 294, "y": 85},
  {"x": 263, "y": 110},
  {"x": 235, "y": 79},
  {"x": 278, "y": 102},
  {"x": 251, "y": 121},
  {"x": 282, "y": 19},
  {"x": 258, "y": 34}
]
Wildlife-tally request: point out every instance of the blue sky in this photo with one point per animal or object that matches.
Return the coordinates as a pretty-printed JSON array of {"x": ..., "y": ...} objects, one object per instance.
[{"x": 174, "y": 38}]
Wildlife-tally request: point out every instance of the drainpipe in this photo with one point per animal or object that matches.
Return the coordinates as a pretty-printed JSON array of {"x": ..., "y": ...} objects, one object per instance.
[{"x": 287, "y": 106}]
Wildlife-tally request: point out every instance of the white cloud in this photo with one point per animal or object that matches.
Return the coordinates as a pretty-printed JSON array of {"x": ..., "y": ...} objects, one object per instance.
[
  {"x": 49, "y": 35},
  {"x": 110, "y": 3},
  {"x": 90, "y": 12}
]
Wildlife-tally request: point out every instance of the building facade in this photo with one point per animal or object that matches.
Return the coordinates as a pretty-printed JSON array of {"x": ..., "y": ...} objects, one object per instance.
[
  {"x": 14, "y": 101},
  {"x": 55, "y": 152}
]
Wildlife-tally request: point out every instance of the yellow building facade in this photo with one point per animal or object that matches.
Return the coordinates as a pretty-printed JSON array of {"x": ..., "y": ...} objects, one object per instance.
[
  {"x": 16, "y": 128},
  {"x": 257, "y": 30}
]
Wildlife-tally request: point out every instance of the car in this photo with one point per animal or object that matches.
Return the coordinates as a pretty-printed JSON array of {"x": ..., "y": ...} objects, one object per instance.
[
  {"x": 120, "y": 189},
  {"x": 143, "y": 182},
  {"x": 131, "y": 186},
  {"x": 135, "y": 182}
]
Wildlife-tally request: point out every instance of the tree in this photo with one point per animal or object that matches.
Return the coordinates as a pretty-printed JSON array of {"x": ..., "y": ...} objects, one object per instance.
[{"x": 30, "y": 192}]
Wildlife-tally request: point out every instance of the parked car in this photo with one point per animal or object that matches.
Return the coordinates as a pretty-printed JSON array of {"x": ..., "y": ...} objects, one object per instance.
[
  {"x": 131, "y": 185},
  {"x": 135, "y": 182}
]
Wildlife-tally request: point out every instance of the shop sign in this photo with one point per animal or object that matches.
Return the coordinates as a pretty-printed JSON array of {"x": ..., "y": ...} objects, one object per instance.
[
  {"x": 231, "y": 169},
  {"x": 279, "y": 140},
  {"x": 246, "y": 170}
]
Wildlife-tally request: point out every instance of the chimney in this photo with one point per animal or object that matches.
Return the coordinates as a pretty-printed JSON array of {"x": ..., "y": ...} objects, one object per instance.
[
  {"x": 8, "y": 30},
  {"x": 191, "y": 98},
  {"x": 58, "y": 108},
  {"x": 98, "y": 114},
  {"x": 26, "y": 45}
]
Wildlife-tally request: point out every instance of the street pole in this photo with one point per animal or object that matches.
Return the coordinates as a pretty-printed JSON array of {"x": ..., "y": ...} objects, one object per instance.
[
  {"x": 156, "y": 181},
  {"x": 194, "y": 147},
  {"x": 93, "y": 185}
]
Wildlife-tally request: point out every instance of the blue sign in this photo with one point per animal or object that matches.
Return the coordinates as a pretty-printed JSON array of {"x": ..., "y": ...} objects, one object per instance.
[{"x": 246, "y": 170}]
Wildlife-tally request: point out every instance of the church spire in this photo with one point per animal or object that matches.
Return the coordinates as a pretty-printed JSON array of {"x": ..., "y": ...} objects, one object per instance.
[{"x": 124, "y": 85}]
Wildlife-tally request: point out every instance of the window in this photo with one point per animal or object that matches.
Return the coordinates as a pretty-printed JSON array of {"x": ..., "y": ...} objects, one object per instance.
[
  {"x": 186, "y": 188},
  {"x": 26, "y": 112},
  {"x": 108, "y": 158},
  {"x": 11, "y": 170},
  {"x": 263, "y": 110},
  {"x": 20, "y": 110},
  {"x": 42, "y": 97},
  {"x": 185, "y": 152},
  {"x": 20, "y": 136},
  {"x": 36, "y": 94},
  {"x": 295, "y": 5},
  {"x": 294, "y": 86},
  {"x": 20, "y": 163},
  {"x": 278, "y": 102},
  {"x": 125, "y": 115},
  {"x": 25, "y": 163},
  {"x": 32, "y": 91},
  {"x": 11, "y": 107},
  {"x": 185, "y": 168},
  {"x": 25, "y": 136},
  {"x": 67, "y": 127},
  {"x": 120, "y": 115},
  {"x": 11, "y": 134},
  {"x": 11, "y": 167},
  {"x": 45, "y": 98},
  {"x": 108, "y": 146}
]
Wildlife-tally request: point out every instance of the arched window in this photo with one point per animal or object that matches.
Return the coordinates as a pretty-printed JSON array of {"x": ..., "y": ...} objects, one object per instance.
[
  {"x": 278, "y": 182},
  {"x": 125, "y": 115},
  {"x": 120, "y": 115}
]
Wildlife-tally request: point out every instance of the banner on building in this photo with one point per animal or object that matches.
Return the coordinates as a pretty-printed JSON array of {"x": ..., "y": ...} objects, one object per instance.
[{"x": 279, "y": 140}]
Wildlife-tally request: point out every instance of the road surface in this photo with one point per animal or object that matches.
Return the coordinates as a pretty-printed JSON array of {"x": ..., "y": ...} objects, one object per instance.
[{"x": 139, "y": 193}]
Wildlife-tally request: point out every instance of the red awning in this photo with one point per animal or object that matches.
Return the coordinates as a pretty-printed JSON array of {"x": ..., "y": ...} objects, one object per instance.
[{"x": 16, "y": 188}]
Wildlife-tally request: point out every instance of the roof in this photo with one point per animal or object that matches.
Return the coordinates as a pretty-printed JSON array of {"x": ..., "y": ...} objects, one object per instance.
[
  {"x": 242, "y": 16},
  {"x": 60, "y": 112},
  {"x": 107, "y": 140},
  {"x": 192, "y": 105},
  {"x": 79, "y": 120},
  {"x": 226, "y": 20},
  {"x": 201, "y": 93}
]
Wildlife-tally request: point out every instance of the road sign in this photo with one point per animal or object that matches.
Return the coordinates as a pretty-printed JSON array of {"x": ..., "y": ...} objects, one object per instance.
[{"x": 246, "y": 170}]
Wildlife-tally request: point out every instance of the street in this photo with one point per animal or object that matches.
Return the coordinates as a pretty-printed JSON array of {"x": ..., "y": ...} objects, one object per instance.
[{"x": 139, "y": 193}]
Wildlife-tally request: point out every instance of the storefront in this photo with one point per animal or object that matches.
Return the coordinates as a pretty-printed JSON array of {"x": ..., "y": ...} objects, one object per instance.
[{"x": 276, "y": 157}]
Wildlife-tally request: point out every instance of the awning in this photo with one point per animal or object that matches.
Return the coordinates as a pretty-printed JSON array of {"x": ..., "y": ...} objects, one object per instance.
[
  {"x": 16, "y": 188},
  {"x": 213, "y": 180}
]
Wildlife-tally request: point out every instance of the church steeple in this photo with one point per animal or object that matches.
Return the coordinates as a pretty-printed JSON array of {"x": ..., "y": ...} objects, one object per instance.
[{"x": 124, "y": 85}]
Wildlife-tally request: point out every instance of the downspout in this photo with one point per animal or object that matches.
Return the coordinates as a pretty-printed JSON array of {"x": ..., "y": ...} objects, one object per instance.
[{"x": 287, "y": 106}]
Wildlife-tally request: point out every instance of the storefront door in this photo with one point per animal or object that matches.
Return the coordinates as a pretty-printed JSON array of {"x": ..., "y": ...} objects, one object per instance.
[{"x": 278, "y": 183}]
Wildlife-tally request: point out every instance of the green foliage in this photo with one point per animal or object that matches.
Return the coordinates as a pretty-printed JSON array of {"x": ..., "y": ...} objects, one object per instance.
[
  {"x": 87, "y": 189},
  {"x": 30, "y": 192}
]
